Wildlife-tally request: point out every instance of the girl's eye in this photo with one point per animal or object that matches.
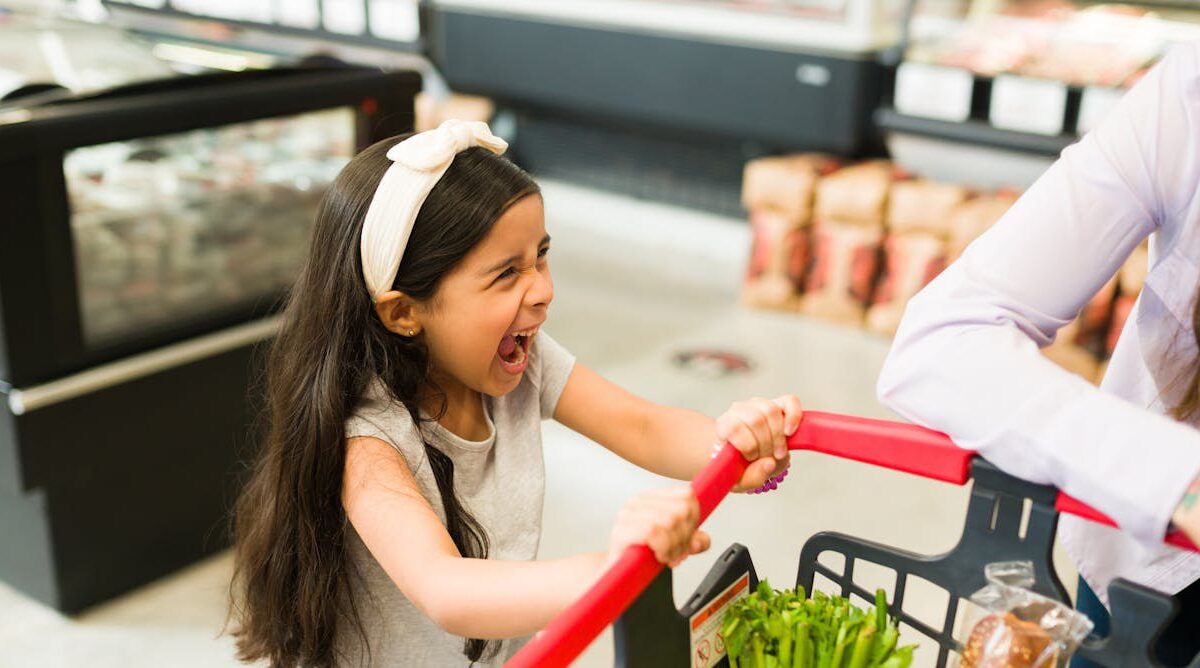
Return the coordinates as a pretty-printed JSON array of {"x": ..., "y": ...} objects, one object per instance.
[
  {"x": 543, "y": 251},
  {"x": 506, "y": 273}
]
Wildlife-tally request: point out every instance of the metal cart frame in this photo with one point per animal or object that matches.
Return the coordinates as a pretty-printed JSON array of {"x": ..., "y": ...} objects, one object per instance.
[{"x": 636, "y": 593}]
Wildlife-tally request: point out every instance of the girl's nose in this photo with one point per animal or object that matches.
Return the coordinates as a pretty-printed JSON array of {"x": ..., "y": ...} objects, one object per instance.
[{"x": 542, "y": 291}]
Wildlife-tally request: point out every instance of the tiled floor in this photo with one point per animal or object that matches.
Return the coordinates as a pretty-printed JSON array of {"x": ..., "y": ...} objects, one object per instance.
[{"x": 636, "y": 283}]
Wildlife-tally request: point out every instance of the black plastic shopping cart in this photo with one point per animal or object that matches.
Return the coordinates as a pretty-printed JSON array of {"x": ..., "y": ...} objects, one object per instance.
[{"x": 1007, "y": 519}]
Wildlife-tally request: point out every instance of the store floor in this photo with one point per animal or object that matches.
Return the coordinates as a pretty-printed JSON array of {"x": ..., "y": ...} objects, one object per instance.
[{"x": 636, "y": 283}]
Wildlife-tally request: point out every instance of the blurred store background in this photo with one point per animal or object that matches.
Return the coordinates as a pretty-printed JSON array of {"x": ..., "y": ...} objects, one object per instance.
[{"x": 762, "y": 181}]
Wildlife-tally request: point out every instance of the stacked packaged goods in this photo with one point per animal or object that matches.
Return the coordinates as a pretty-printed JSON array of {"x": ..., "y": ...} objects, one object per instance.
[
  {"x": 848, "y": 230},
  {"x": 853, "y": 244},
  {"x": 916, "y": 248},
  {"x": 779, "y": 193}
]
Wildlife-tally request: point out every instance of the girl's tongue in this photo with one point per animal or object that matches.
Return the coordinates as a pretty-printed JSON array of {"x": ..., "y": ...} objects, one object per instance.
[
  {"x": 508, "y": 345},
  {"x": 513, "y": 353}
]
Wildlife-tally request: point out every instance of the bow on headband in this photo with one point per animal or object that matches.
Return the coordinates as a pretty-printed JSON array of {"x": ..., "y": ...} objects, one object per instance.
[{"x": 418, "y": 163}]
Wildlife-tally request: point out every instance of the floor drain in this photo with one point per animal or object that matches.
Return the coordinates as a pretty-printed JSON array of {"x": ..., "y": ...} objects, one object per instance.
[{"x": 713, "y": 363}]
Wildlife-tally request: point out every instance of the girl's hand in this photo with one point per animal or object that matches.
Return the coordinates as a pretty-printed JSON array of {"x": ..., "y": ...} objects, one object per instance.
[
  {"x": 759, "y": 429},
  {"x": 665, "y": 520}
]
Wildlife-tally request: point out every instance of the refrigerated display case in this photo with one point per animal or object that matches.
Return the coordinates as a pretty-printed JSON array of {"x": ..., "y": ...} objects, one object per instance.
[
  {"x": 392, "y": 24},
  {"x": 1025, "y": 75},
  {"x": 151, "y": 232},
  {"x": 668, "y": 98}
]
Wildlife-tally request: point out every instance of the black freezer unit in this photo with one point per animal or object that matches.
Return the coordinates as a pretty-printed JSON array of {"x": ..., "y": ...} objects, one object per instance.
[
  {"x": 149, "y": 233},
  {"x": 669, "y": 99}
]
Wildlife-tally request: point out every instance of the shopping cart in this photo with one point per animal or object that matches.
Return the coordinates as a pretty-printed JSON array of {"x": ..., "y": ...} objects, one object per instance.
[{"x": 1007, "y": 519}]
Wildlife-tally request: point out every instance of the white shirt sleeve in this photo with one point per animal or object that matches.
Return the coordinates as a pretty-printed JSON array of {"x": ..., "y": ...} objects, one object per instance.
[{"x": 965, "y": 360}]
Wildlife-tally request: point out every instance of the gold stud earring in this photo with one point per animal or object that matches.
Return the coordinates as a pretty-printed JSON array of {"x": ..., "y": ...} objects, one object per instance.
[{"x": 412, "y": 332}]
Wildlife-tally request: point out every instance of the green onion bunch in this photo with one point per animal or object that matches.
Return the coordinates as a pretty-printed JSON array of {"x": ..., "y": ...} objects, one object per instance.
[{"x": 786, "y": 629}]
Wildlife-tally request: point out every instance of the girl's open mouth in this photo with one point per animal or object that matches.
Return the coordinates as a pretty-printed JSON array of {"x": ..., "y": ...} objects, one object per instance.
[{"x": 514, "y": 350}]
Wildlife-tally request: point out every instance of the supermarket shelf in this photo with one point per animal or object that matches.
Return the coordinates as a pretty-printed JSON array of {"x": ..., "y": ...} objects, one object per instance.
[{"x": 975, "y": 132}]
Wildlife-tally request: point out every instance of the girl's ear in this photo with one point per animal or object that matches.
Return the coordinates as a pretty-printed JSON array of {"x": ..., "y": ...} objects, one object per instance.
[{"x": 398, "y": 312}]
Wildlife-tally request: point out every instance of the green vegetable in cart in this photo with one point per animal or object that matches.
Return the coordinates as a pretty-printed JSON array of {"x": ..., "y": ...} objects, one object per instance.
[{"x": 789, "y": 629}]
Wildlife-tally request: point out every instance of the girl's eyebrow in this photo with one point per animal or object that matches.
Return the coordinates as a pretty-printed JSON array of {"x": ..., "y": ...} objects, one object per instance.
[{"x": 511, "y": 259}]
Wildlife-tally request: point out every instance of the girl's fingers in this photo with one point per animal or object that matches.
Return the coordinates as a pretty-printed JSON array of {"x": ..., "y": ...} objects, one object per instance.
[
  {"x": 665, "y": 521},
  {"x": 700, "y": 542},
  {"x": 765, "y": 469},
  {"x": 758, "y": 441},
  {"x": 734, "y": 427},
  {"x": 773, "y": 414},
  {"x": 793, "y": 412},
  {"x": 758, "y": 472},
  {"x": 745, "y": 440}
]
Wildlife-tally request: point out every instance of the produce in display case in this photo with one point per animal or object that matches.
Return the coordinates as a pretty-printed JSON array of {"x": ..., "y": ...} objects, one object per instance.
[
  {"x": 165, "y": 226},
  {"x": 1030, "y": 75}
]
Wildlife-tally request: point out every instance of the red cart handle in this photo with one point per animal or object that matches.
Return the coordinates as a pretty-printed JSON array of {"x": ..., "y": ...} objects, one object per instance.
[{"x": 893, "y": 445}]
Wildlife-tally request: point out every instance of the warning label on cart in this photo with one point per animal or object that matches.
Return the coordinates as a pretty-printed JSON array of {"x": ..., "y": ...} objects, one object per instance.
[{"x": 708, "y": 647}]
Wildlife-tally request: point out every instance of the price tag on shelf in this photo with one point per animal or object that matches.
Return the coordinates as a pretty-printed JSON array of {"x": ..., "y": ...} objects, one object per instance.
[
  {"x": 299, "y": 14},
  {"x": 1025, "y": 104},
  {"x": 346, "y": 17},
  {"x": 933, "y": 91},
  {"x": 1095, "y": 105},
  {"x": 395, "y": 20}
]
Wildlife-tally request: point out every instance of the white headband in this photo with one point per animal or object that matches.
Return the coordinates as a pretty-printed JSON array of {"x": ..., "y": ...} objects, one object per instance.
[{"x": 418, "y": 163}]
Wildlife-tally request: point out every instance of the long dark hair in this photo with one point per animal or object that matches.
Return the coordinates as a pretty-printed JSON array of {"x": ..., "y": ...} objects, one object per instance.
[{"x": 292, "y": 577}]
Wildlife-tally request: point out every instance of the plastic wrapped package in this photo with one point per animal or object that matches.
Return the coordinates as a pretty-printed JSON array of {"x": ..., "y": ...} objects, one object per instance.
[
  {"x": 845, "y": 266},
  {"x": 785, "y": 185},
  {"x": 911, "y": 261},
  {"x": 779, "y": 259},
  {"x": 855, "y": 194},
  {"x": 1009, "y": 626},
  {"x": 919, "y": 205}
]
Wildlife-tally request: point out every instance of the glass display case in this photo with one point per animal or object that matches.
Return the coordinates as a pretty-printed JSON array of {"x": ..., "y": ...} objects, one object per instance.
[
  {"x": 1030, "y": 75},
  {"x": 153, "y": 223},
  {"x": 205, "y": 220},
  {"x": 169, "y": 208}
]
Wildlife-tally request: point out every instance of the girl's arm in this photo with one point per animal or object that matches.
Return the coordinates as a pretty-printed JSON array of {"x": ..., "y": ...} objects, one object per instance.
[
  {"x": 486, "y": 598},
  {"x": 675, "y": 442}
]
